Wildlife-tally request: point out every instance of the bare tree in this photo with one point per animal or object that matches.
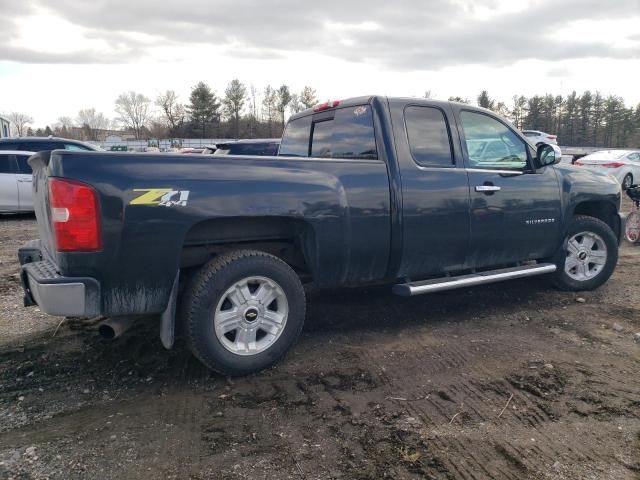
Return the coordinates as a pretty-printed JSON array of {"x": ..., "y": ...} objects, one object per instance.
[
  {"x": 20, "y": 122},
  {"x": 173, "y": 111},
  {"x": 133, "y": 111},
  {"x": 308, "y": 97},
  {"x": 296, "y": 105},
  {"x": 269, "y": 107},
  {"x": 253, "y": 107},
  {"x": 92, "y": 122},
  {"x": 64, "y": 122}
]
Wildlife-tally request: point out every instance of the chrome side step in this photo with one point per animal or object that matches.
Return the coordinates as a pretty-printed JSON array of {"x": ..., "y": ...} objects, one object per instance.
[{"x": 450, "y": 283}]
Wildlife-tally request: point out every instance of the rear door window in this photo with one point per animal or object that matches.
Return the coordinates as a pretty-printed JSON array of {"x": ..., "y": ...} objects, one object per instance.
[{"x": 428, "y": 136}]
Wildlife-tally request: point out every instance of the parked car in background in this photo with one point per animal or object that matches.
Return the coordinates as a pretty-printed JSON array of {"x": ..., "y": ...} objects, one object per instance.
[
  {"x": 256, "y": 146},
  {"x": 38, "y": 144},
  {"x": 15, "y": 182},
  {"x": 538, "y": 137},
  {"x": 191, "y": 151},
  {"x": 622, "y": 164}
]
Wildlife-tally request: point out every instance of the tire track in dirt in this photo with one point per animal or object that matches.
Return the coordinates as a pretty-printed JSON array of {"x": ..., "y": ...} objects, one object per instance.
[{"x": 533, "y": 393}]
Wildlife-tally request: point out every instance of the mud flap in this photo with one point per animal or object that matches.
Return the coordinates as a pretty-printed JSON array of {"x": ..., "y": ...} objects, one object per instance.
[{"x": 168, "y": 317}]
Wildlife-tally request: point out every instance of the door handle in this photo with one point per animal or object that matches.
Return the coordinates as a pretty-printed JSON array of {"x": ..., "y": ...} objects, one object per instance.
[
  {"x": 25, "y": 180},
  {"x": 487, "y": 188}
]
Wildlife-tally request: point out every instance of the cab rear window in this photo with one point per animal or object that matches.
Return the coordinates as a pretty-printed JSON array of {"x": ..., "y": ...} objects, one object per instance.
[
  {"x": 295, "y": 140},
  {"x": 345, "y": 133}
]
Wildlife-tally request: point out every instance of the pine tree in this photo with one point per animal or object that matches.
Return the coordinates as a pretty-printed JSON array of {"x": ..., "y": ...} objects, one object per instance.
[
  {"x": 284, "y": 98},
  {"x": 585, "y": 105},
  {"x": 569, "y": 118},
  {"x": 596, "y": 119},
  {"x": 203, "y": 107},
  {"x": 235, "y": 97},
  {"x": 534, "y": 108},
  {"x": 518, "y": 111},
  {"x": 485, "y": 101}
]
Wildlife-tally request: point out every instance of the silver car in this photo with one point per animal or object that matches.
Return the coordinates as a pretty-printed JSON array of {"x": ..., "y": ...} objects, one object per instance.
[
  {"x": 624, "y": 165},
  {"x": 15, "y": 182},
  {"x": 538, "y": 137}
]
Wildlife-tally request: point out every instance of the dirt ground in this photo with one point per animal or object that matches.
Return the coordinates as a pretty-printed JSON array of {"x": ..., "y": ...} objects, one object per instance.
[{"x": 513, "y": 381}]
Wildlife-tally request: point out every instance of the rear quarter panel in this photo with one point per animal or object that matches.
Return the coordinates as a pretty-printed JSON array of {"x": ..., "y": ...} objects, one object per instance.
[{"x": 345, "y": 203}]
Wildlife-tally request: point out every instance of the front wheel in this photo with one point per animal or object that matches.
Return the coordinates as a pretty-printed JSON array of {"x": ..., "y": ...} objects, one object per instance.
[
  {"x": 243, "y": 311},
  {"x": 588, "y": 256}
]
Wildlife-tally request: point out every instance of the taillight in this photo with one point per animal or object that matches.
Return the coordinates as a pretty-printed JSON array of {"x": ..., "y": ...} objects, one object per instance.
[
  {"x": 74, "y": 216},
  {"x": 578, "y": 162},
  {"x": 326, "y": 105},
  {"x": 552, "y": 137},
  {"x": 613, "y": 165}
]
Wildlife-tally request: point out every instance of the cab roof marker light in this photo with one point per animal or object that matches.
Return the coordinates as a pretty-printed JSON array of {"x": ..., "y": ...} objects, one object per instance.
[{"x": 326, "y": 105}]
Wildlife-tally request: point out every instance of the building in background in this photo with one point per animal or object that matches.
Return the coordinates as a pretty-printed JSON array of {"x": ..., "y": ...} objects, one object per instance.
[{"x": 5, "y": 127}]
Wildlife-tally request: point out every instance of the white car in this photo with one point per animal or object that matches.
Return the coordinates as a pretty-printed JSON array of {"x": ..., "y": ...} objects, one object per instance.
[
  {"x": 622, "y": 164},
  {"x": 538, "y": 137},
  {"x": 15, "y": 182}
]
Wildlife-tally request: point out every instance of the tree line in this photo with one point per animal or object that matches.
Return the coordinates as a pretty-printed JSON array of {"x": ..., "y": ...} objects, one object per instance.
[
  {"x": 241, "y": 111},
  {"x": 587, "y": 120}
]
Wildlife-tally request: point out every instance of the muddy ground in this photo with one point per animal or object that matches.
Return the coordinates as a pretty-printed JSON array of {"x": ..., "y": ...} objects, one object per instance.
[{"x": 513, "y": 380}]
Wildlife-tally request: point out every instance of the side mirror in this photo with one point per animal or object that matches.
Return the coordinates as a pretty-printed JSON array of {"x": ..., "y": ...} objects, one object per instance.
[{"x": 549, "y": 154}]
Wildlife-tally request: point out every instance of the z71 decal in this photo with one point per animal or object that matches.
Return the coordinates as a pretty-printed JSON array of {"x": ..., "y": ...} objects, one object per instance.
[{"x": 165, "y": 197}]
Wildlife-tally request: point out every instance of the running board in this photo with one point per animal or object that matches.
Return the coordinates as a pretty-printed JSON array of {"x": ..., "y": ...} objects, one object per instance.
[{"x": 450, "y": 283}]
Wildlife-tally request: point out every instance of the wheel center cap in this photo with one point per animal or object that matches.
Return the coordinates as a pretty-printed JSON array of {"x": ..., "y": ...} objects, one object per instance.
[
  {"x": 251, "y": 314},
  {"x": 582, "y": 255}
]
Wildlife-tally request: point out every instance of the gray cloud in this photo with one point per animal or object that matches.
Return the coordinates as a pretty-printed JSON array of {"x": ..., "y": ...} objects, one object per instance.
[{"x": 412, "y": 34}]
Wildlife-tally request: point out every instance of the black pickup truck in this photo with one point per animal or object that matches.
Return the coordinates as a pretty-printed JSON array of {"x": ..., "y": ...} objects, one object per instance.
[{"x": 417, "y": 194}]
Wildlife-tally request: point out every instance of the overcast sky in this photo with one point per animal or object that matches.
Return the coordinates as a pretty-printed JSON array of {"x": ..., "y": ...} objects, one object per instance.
[{"x": 58, "y": 56}]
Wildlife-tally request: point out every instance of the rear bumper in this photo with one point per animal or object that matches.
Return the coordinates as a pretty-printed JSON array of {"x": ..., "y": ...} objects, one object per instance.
[{"x": 52, "y": 292}]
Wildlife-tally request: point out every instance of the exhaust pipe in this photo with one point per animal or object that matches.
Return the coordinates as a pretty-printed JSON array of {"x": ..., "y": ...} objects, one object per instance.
[{"x": 112, "y": 328}]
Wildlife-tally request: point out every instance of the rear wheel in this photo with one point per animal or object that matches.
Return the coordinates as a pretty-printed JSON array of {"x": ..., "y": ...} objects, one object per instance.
[
  {"x": 627, "y": 181},
  {"x": 243, "y": 311},
  {"x": 588, "y": 256}
]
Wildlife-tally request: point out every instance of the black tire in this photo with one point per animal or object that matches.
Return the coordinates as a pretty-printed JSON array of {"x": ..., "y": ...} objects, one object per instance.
[
  {"x": 627, "y": 181},
  {"x": 205, "y": 291},
  {"x": 583, "y": 223}
]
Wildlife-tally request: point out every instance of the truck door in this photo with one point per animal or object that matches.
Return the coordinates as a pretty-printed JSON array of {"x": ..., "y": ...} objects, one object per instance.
[
  {"x": 515, "y": 209},
  {"x": 435, "y": 189},
  {"x": 8, "y": 184},
  {"x": 24, "y": 178}
]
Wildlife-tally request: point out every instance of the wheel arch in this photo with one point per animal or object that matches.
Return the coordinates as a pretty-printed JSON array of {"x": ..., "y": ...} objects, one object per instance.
[
  {"x": 290, "y": 239},
  {"x": 602, "y": 210}
]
